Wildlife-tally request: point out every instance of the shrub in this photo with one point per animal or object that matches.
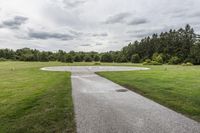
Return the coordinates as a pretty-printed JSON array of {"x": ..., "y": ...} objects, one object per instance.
[
  {"x": 97, "y": 63},
  {"x": 145, "y": 63},
  {"x": 151, "y": 63},
  {"x": 155, "y": 63},
  {"x": 3, "y": 59},
  {"x": 174, "y": 60},
  {"x": 187, "y": 64},
  {"x": 148, "y": 60},
  {"x": 135, "y": 58},
  {"x": 187, "y": 60},
  {"x": 157, "y": 57}
]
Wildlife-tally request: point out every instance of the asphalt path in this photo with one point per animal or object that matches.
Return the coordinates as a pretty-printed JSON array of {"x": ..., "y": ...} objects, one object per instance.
[{"x": 102, "y": 106}]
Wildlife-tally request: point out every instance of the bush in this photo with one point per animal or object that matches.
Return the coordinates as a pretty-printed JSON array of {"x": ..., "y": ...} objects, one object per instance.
[
  {"x": 158, "y": 58},
  {"x": 187, "y": 64},
  {"x": 3, "y": 59},
  {"x": 135, "y": 58},
  {"x": 148, "y": 60},
  {"x": 151, "y": 63},
  {"x": 97, "y": 63},
  {"x": 174, "y": 60},
  {"x": 187, "y": 60},
  {"x": 145, "y": 63}
]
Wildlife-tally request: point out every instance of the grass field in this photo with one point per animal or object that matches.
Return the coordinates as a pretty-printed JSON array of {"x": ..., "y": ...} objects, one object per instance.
[
  {"x": 32, "y": 100},
  {"x": 177, "y": 87},
  {"x": 35, "y": 101}
]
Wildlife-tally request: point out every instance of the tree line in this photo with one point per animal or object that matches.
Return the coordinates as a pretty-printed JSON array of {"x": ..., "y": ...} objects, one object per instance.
[{"x": 172, "y": 47}]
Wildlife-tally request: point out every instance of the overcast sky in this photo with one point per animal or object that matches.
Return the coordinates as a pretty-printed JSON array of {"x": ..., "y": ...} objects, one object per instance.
[{"x": 85, "y": 25}]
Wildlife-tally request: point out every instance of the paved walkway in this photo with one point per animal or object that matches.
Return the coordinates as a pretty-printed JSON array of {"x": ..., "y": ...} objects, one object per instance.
[{"x": 102, "y": 106}]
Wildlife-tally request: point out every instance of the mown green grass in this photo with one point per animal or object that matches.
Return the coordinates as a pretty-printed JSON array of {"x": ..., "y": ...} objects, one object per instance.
[
  {"x": 177, "y": 87},
  {"x": 32, "y": 100},
  {"x": 35, "y": 101}
]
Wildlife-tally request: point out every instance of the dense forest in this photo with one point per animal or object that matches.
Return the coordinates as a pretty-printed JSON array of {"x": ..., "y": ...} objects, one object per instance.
[{"x": 173, "y": 47}]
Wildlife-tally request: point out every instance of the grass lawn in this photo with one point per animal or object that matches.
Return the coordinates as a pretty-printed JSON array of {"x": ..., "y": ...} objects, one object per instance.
[
  {"x": 35, "y": 101},
  {"x": 32, "y": 100},
  {"x": 177, "y": 87}
]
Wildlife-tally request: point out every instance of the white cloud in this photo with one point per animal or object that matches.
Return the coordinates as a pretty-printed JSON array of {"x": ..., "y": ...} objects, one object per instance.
[{"x": 98, "y": 25}]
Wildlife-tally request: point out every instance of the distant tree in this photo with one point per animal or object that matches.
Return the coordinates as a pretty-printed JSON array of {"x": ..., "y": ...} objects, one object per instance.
[
  {"x": 61, "y": 56},
  {"x": 96, "y": 58},
  {"x": 135, "y": 58},
  {"x": 88, "y": 58},
  {"x": 44, "y": 56},
  {"x": 72, "y": 53},
  {"x": 77, "y": 58},
  {"x": 25, "y": 54},
  {"x": 121, "y": 58},
  {"x": 195, "y": 53},
  {"x": 174, "y": 46},
  {"x": 68, "y": 58},
  {"x": 106, "y": 57}
]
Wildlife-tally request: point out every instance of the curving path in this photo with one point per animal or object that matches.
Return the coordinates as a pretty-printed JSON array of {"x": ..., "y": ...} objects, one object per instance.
[{"x": 102, "y": 106}]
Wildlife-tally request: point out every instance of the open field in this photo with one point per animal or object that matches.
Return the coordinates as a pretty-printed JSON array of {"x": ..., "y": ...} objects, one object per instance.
[
  {"x": 177, "y": 87},
  {"x": 32, "y": 100},
  {"x": 40, "y": 101}
]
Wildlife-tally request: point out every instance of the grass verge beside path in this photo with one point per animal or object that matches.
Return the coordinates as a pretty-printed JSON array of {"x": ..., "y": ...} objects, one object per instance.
[
  {"x": 177, "y": 87},
  {"x": 35, "y": 101}
]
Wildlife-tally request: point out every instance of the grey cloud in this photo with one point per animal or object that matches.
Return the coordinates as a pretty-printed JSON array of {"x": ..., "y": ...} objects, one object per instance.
[
  {"x": 113, "y": 42},
  {"x": 141, "y": 35},
  {"x": 127, "y": 40},
  {"x": 179, "y": 15},
  {"x": 76, "y": 33},
  {"x": 138, "y": 21},
  {"x": 85, "y": 45},
  {"x": 118, "y": 18},
  {"x": 46, "y": 35},
  {"x": 195, "y": 14},
  {"x": 14, "y": 23},
  {"x": 73, "y": 3},
  {"x": 99, "y": 44},
  {"x": 147, "y": 32},
  {"x": 100, "y": 35}
]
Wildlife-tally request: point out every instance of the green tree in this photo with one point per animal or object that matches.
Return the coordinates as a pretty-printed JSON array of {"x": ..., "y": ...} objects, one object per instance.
[
  {"x": 68, "y": 58},
  {"x": 106, "y": 57},
  {"x": 44, "y": 56},
  {"x": 88, "y": 58},
  {"x": 77, "y": 58},
  {"x": 135, "y": 58},
  {"x": 195, "y": 53},
  {"x": 96, "y": 58}
]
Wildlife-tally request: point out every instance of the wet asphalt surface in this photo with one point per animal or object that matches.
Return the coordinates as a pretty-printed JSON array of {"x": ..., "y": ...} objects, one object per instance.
[{"x": 102, "y": 106}]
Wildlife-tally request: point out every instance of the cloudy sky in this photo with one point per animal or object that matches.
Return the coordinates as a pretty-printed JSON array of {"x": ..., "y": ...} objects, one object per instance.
[{"x": 85, "y": 25}]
